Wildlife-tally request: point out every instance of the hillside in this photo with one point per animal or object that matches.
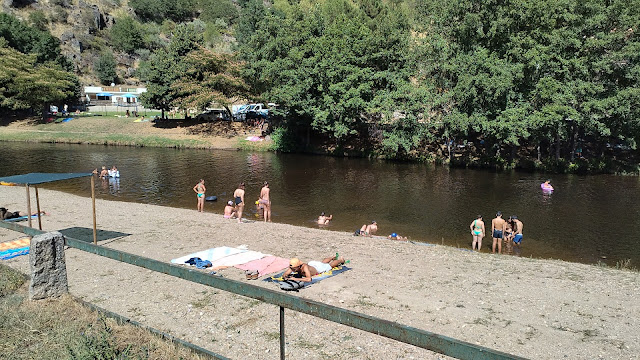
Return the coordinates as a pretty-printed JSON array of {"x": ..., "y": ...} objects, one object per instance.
[{"x": 86, "y": 30}]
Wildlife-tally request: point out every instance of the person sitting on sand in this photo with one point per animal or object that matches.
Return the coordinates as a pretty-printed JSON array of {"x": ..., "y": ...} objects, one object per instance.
[
  {"x": 395, "y": 236},
  {"x": 6, "y": 214},
  {"x": 313, "y": 268},
  {"x": 368, "y": 230},
  {"x": 324, "y": 220},
  {"x": 229, "y": 211}
]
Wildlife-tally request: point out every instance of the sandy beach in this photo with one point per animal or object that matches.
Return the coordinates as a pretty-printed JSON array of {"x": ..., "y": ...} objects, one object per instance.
[{"x": 539, "y": 309}]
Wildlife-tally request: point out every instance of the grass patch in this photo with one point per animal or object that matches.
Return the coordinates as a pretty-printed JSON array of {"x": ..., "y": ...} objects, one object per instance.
[
  {"x": 10, "y": 280},
  {"x": 64, "y": 329}
]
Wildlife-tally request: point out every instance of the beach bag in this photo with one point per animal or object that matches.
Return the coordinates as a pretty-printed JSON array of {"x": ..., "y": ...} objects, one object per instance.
[{"x": 291, "y": 285}]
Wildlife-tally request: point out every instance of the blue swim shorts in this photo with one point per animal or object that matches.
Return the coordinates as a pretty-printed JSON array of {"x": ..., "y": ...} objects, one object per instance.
[{"x": 517, "y": 239}]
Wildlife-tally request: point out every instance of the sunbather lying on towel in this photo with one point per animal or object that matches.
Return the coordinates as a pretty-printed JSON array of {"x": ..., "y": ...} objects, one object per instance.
[
  {"x": 311, "y": 269},
  {"x": 6, "y": 214}
]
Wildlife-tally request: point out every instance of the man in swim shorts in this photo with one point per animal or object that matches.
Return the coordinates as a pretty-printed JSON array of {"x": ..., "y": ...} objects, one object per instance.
[
  {"x": 238, "y": 195},
  {"x": 477, "y": 232},
  {"x": 311, "y": 269},
  {"x": 497, "y": 231},
  {"x": 265, "y": 199},
  {"x": 228, "y": 210},
  {"x": 517, "y": 239},
  {"x": 200, "y": 190}
]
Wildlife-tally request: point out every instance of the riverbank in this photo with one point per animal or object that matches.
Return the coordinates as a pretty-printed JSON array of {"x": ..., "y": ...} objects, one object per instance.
[
  {"x": 114, "y": 130},
  {"x": 516, "y": 305}
]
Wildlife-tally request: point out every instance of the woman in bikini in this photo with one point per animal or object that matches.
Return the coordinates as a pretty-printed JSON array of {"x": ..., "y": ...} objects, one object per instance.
[
  {"x": 200, "y": 189},
  {"x": 477, "y": 231}
]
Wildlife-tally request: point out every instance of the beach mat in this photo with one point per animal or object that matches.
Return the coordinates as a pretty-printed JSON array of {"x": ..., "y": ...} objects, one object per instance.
[
  {"x": 23, "y": 218},
  {"x": 237, "y": 259},
  {"x": 15, "y": 244},
  {"x": 210, "y": 254},
  {"x": 314, "y": 279},
  {"x": 265, "y": 266},
  {"x": 11, "y": 253}
]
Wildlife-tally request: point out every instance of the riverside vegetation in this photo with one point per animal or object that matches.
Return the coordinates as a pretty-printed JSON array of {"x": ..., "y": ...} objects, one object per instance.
[
  {"x": 541, "y": 85},
  {"x": 64, "y": 329}
]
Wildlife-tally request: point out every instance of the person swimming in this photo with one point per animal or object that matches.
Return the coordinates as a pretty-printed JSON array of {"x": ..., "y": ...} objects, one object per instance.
[{"x": 545, "y": 186}]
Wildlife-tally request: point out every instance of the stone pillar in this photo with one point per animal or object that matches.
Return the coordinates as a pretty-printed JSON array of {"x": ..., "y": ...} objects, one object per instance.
[{"x": 48, "y": 266}]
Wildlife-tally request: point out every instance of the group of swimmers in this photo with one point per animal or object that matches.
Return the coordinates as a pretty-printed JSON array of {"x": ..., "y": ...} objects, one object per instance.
[
  {"x": 507, "y": 231},
  {"x": 104, "y": 173},
  {"x": 235, "y": 207}
]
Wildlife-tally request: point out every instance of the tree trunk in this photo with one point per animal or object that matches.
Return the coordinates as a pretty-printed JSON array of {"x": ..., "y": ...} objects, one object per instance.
[
  {"x": 558, "y": 144},
  {"x": 539, "y": 153},
  {"x": 574, "y": 141},
  {"x": 162, "y": 113}
]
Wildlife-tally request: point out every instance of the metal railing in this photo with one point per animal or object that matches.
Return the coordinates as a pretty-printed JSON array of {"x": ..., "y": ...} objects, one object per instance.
[{"x": 406, "y": 334}]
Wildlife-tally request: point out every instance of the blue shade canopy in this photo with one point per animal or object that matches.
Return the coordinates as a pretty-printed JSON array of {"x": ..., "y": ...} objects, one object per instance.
[
  {"x": 127, "y": 95},
  {"x": 104, "y": 94},
  {"x": 41, "y": 178}
]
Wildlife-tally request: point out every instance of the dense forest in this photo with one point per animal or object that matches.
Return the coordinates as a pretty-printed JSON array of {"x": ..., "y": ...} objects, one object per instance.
[{"x": 550, "y": 85}]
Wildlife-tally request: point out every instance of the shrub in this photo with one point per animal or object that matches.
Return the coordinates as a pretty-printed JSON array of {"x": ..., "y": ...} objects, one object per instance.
[
  {"x": 283, "y": 140},
  {"x": 126, "y": 35},
  {"x": 38, "y": 20}
]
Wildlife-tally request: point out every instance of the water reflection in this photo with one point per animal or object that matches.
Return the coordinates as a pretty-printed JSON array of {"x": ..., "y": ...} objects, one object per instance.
[{"x": 585, "y": 218}]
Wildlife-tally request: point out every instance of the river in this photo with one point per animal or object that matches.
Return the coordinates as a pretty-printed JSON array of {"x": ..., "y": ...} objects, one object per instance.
[{"x": 587, "y": 219}]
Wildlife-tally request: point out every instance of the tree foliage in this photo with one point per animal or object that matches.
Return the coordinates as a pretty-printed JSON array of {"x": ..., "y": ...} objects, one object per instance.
[
  {"x": 127, "y": 35},
  {"x": 105, "y": 68},
  {"x": 165, "y": 66},
  {"x": 158, "y": 10},
  {"x": 27, "y": 84},
  {"x": 209, "y": 79},
  {"x": 525, "y": 73},
  {"x": 29, "y": 40},
  {"x": 336, "y": 65}
]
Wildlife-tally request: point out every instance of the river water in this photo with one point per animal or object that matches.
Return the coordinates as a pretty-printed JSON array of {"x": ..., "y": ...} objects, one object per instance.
[{"x": 587, "y": 219}]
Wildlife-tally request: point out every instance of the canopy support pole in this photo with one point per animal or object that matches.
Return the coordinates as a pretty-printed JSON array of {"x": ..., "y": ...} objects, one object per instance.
[
  {"x": 38, "y": 207},
  {"x": 28, "y": 205},
  {"x": 93, "y": 201}
]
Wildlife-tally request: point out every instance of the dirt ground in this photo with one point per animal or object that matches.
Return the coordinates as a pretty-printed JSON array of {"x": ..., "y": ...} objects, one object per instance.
[{"x": 539, "y": 309}]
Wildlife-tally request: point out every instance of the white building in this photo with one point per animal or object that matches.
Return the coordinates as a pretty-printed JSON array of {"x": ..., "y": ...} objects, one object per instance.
[{"x": 115, "y": 94}]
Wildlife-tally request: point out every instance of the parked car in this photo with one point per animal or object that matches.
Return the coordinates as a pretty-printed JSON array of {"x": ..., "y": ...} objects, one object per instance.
[{"x": 213, "y": 115}]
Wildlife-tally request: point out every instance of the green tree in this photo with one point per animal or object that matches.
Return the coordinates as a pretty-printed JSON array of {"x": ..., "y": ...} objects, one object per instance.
[
  {"x": 27, "y": 84},
  {"x": 38, "y": 20},
  {"x": 105, "y": 68},
  {"x": 29, "y": 40},
  {"x": 336, "y": 65},
  {"x": 126, "y": 35},
  {"x": 165, "y": 66},
  {"x": 218, "y": 9},
  {"x": 208, "y": 79}
]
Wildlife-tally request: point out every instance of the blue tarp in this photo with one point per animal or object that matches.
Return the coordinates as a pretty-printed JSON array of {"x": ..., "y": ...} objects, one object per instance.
[
  {"x": 41, "y": 178},
  {"x": 104, "y": 94},
  {"x": 127, "y": 95}
]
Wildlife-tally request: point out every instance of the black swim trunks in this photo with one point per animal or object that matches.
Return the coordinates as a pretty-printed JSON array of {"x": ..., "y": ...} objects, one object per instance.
[
  {"x": 497, "y": 234},
  {"x": 238, "y": 200}
]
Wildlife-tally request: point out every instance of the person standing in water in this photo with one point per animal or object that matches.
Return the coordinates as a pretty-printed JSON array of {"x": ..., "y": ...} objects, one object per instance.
[
  {"x": 238, "y": 196},
  {"x": 497, "y": 231},
  {"x": 323, "y": 219},
  {"x": 200, "y": 189},
  {"x": 265, "y": 200},
  {"x": 477, "y": 232}
]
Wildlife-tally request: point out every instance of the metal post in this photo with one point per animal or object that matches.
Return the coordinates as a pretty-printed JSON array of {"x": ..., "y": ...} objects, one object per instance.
[
  {"x": 93, "y": 201},
  {"x": 28, "y": 205},
  {"x": 281, "y": 333},
  {"x": 38, "y": 207}
]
